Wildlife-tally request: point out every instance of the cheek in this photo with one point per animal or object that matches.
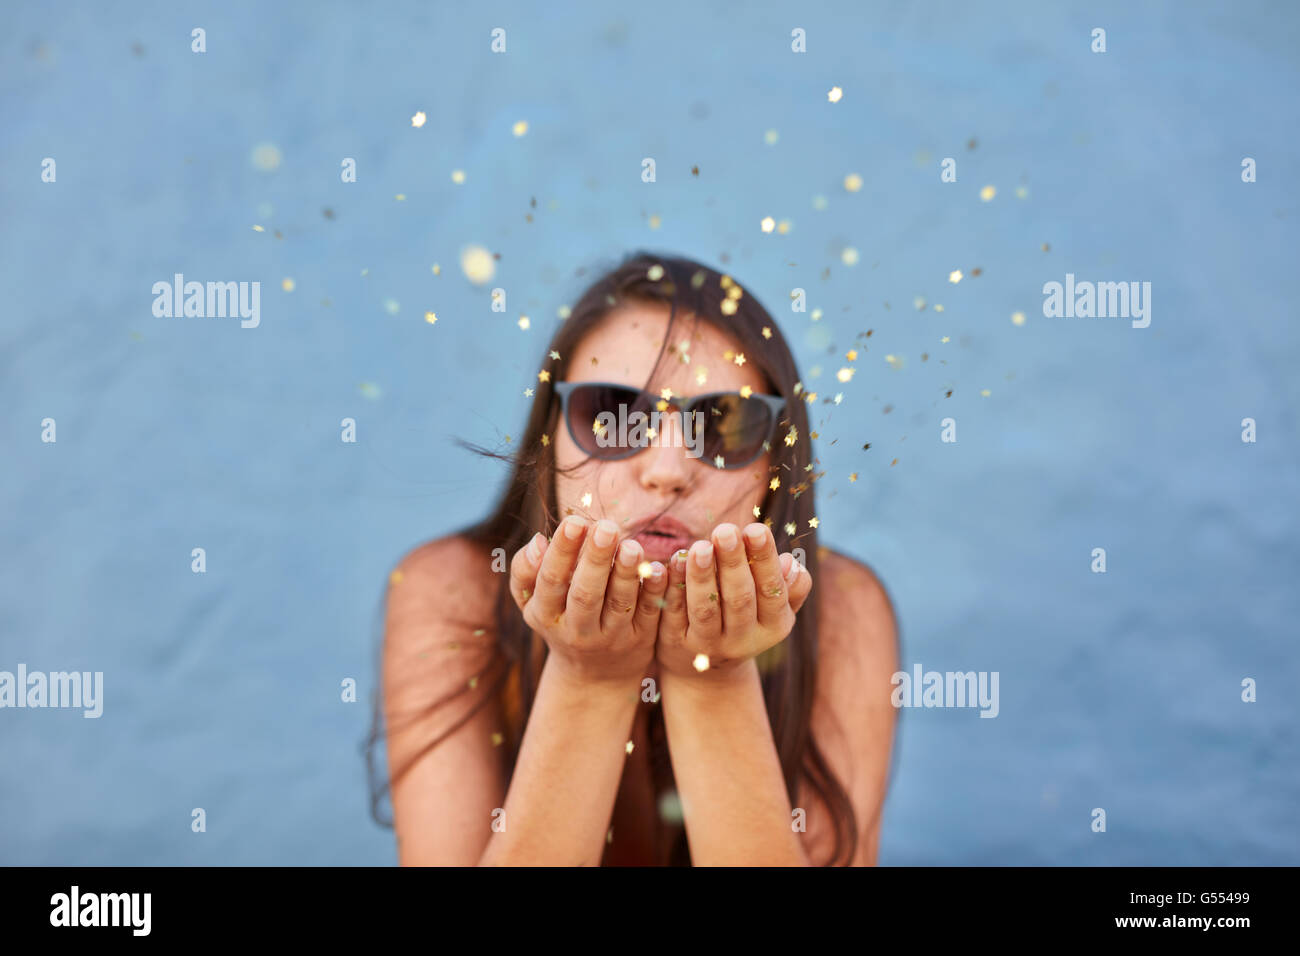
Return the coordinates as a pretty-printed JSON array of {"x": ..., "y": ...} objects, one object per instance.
[
  {"x": 737, "y": 493},
  {"x": 605, "y": 481}
]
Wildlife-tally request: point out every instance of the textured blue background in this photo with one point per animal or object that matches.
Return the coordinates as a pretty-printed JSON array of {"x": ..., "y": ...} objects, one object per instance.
[{"x": 222, "y": 690}]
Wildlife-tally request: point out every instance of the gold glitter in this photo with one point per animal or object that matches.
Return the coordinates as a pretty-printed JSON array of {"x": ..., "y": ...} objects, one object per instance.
[
  {"x": 791, "y": 528},
  {"x": 852, "y": 182},
  {"x": 655, "y": 222},
  {"x": 894, "y": 361},
  {"x": 853, "y": 477},
  {"x": 985, "y": 392},
  {"x": 783, "y": 227},
  {"x": 767, "y": 332},
  {"x": 851, "y": 355},
  {"x": 287, "y": 285},
  {"x": 630, "y": 747},
  {"x": 893, "y": 463},
  {"x": 701, "y": 662},
  {"x": 757, "y": 511},
  {"x": 735, "y": 291},
  {"x": 1018, "y": 318},
  {"x": 473, "y": 682},
  {"x": 740, "y": 358},
  {"x": 701, "y": 374},
  {"x": 839, "y": 397},
  {"x": 523, "y": 322},
  {"x": 655, "y": 273},
  {"x": 944, "y": 339},
  {"x": 437, "y": 269},
  {"x": 430, "y": 317},
  {"x": 644, "y": 570},
  {"x": 458, "y": 176},
  {"x": 746, "y": 391},
  {"x": 919, "y": 303},
  {"x": 816, "y": 315},
  {"x": 1046, "y": 247},
  {"x": 697, "y": 280},
  {"x": 938, "y": 307},
  {"x": 563, "y": 312},
  {"x": 477, "y": 264},
  {"x": 520, "y": 128},
  {"x": 555, "y": 355},
  {"x": 819, "y": 203},
  {"x": 400, "y": 197},
  {"x": 774, "y": 484},
  {"x": 543, "y": 376},
  {"x": 849, "y": 256},
  {"x": 768, "y": 224},
  {"x": 546, "y": 440},
  {"x": 792, "y": 436},
  {"x": 586, "y": 500},
  {"x": 845, "y": 374},
  {"x": 728, "y": 307},
  {"x": 258, "y": 229},
  {"x": 497, "y": 740},
  {"x": 955, "y": 276},
  {"x": 1022, "y": 192},
  {"x": 395, "y": 578},
  {"x": 987, "y": 193},
  {"x": 528, "y": 393},
  {"x": 719, "y": 461},
  {"x": 813, "y": 522},
  {"x": 835, "y": 94},
  {"x": 418, "y": 119},
  {"x": 770, "y": 137}
]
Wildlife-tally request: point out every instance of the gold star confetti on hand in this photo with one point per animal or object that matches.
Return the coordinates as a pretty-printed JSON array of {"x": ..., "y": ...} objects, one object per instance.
[
  {"x": 586, "y": 500},
  {"x": 813, "y": 522},
  {"x": 701, "y": 662},
  {"x": 543, "y": 376},
  {"x": 835, "y": 94},
  {"x": 520, "y": 128},
  {"x": 418, "y": 119}
]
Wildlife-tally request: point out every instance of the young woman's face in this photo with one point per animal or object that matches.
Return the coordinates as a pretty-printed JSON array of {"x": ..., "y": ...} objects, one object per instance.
[{"x": 694, "y": 495}]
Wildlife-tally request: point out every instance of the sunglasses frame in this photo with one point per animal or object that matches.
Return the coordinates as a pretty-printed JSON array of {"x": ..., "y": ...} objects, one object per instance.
[{"x": 776, "y": 405}]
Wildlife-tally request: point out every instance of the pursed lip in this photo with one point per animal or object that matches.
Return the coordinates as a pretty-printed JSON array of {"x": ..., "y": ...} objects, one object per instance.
[{"x": 660, "y": 537}]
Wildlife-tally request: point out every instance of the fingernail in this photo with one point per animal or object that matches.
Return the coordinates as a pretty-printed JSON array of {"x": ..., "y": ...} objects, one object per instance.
[
  {"x": 679, "y": 559},
  {"x": 795, "y": 568},
  {"x": 573, "y": 528},
  {"x": 727, "y": 538},
  {"x": 605, "y": 532},
  {"x": 535, "y": 548},
  {"x": 704, "y": 555},
  {"x": 627, "y": 555},
  {"x": 756, "y": 535},
  {"x": 656, "y": 570}
]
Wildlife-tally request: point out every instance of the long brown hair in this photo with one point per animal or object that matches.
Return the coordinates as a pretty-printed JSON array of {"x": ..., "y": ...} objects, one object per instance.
[{"x": 789, "y": 670}]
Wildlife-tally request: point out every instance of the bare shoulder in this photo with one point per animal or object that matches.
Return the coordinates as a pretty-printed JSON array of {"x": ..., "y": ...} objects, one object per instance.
[
  {"x": 851, "y": 598},
  {"x": 433, "y": 573}
]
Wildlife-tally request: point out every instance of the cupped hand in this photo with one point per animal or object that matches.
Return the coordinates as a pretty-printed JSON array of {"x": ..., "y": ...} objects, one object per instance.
[
  {"x": 585, "y": 598},
  {"x": 729, "y": 599}
]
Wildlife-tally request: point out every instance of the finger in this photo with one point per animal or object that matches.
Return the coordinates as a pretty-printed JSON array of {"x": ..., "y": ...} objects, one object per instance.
[
  {"x": 766, "y": 566},
  {"x": 799, "y": 584},
  {"x": 672, "y": 622},
  {"x": 651, "y": 603},
  {"x": 590, "y": 578},
  {"x": 735, "y": 581},
  {"x": 523, "y": 569},
  {"x": 557, "y": 568},
  {"x": 621, "y": 594},
  {"x": 703, "y": 610}
]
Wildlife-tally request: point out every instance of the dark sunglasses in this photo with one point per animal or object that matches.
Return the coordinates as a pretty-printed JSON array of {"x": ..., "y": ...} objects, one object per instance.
[{"x": 601, "y": 416}]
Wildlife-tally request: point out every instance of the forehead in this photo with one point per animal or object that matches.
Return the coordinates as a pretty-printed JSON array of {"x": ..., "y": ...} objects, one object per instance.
[{"x": 626, "y": 344}]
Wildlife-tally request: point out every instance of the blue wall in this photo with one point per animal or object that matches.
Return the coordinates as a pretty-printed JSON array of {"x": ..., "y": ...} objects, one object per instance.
[{"x": 221, "y": 690}]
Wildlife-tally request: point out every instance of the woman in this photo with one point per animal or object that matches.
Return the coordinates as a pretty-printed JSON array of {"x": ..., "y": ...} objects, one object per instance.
[{"x": 623, "y": 664}]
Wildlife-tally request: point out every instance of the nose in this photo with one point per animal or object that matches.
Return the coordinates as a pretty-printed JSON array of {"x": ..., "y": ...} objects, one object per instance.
[{"x": 664, "y": 466}]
